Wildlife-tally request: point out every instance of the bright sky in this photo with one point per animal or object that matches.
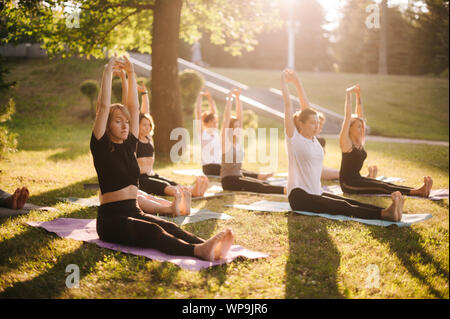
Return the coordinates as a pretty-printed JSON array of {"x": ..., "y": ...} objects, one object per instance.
[{"x": 332, "y": 10}]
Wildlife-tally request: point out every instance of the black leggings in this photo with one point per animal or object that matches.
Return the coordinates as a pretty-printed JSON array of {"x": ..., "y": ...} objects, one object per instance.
[
  {"x": 364, "y": 185},
  {"x": 154, "y": 184},
  {"x": 211, "y": 169},
  {"x": 214, "y": 170},
  {"x": 332, "y": 204},
  {"x": 124, "y": 223},
  {"x": 250, "y": 184}
]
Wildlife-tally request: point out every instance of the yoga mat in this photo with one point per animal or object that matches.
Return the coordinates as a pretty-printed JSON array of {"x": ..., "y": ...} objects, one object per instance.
[
  {"x": 5, "y": 212},
  {"x": 85, "y": 230},
  {"x": 386, "y": 179},
  {"x": 86, "y": 202},
  {"x": 195, "y": 216},
  {"x": 435, "y": 195},
  {"x": 389, "y": 179},
  {"x": 213, "y": 191},
  {"x": 274, "y": 207},
  {"x": 192, "y": 172}
]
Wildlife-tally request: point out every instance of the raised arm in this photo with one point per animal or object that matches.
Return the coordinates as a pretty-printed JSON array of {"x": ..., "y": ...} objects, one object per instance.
[
  {"x": 344, "y": 139},
  {"x": 145, "y": 105},
  {"x": 239, "y": 113},
  {"x": 123, "y": 77},
  {"x": 198, "y": 106},
  {"x": 304, "y": 103},
  {"x": 226, "y": 119},
  {"x": 212, "y": 104},
  {"x": 104, "y": 100},
  {"x": 359, "y": 109},
  {"x": 132, "y": 96},
  {"x": 288, "y": 112}
]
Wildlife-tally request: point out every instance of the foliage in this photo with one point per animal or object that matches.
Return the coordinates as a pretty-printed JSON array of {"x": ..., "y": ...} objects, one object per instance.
[
  {"x": 127, "y": 25},
  {"x": 250, "y": 119},
  {"x": 90, "y": 89},
  {"x": 8, "y": 140},
  {"x": 191, "y": 83},
  {"x": 417, "y": 40}
]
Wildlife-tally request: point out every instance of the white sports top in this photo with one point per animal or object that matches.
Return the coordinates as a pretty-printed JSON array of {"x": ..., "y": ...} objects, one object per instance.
[
  {"x": 305, "y": 163},
  {"x": 211, "y": 147}
]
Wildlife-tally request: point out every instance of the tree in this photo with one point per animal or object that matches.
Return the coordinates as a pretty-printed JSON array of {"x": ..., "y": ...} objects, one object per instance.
[
  {"x": 152, "y": 26},
  {"x": 383, "y": 48}
]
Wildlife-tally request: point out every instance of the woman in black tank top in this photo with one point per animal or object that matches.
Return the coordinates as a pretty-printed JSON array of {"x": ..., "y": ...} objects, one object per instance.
[
  {"x": 149, "y": 181},
  {"x": 120, "y": 218},
  {"x": 351, "y": 141}
]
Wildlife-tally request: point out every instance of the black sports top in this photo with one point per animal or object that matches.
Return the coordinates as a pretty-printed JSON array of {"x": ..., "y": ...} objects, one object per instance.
[
  {"x": 144, "y": 149},
  {"x": 351, "y": 163},
  {"x": 116, "y": 164}
]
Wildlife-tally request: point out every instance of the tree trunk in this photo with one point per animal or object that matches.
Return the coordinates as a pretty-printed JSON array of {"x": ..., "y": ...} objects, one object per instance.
[
  {"x": 382, "y": 59},
  {"x": 165, "y": 107}
]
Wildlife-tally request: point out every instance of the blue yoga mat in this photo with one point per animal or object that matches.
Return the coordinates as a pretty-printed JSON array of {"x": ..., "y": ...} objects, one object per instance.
[{"x": 274, "y": 207}]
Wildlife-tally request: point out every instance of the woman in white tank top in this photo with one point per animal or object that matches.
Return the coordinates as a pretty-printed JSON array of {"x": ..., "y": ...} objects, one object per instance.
[
  {"x": 209, "y": 132},
  {"x": 305, "y": 167}
]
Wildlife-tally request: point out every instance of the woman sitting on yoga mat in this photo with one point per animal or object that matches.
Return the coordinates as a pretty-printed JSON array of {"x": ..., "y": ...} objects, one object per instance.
[
  {"x": 16, "y": 200},
  {"x": 328, "y": 173},
  {"x": 233, "y": 178},
  {"x": 113, "y": 146},
  {"x": 149, "y": 181},
  {"x": 351, "y": 140},
  {"x": 305, "y": 157},
  {"x": 208, "y": 130}
]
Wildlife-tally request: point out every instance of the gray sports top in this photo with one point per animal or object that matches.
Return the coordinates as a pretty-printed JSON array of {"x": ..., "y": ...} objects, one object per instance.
[{"x": 232, "y": 162}]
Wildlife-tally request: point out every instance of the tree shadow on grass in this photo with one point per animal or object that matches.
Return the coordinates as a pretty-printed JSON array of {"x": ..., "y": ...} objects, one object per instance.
[
  {"x": 407, "y": 245},
  {"x": 313, "y": 262},
  {"x": 50, "y": 198}
]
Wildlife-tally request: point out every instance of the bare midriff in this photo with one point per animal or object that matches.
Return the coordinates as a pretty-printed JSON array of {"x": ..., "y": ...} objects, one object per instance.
[
  {"x": 146, "y": 165},
  {"x": 129, "y": 192}
]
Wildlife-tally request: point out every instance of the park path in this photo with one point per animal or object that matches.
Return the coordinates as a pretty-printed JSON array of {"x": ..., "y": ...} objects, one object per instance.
[{"x": 267, "y": 102}]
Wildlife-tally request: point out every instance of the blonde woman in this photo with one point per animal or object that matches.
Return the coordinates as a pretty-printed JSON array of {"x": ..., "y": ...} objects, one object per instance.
[
  {"x": 351, "y": 140},
  {"x": 113, "y": 146}
]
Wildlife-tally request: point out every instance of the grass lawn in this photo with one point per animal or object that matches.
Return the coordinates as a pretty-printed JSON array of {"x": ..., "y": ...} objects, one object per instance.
[
  {"x": 309, "y": 257},
  {"x": 391, "y": 103}
]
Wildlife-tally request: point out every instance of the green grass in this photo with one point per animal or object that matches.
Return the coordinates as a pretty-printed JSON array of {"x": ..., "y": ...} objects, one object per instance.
[
  {"x": 308, "y": 257},
  {"x": 398, "y": 106}
]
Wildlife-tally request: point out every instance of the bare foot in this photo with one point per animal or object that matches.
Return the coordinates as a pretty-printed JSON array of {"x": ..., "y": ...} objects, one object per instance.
[
  {"x": 223, "y": 248},
  {"x": 395, "y": 211},
  {"x": 207, "y": 250},
  {"x": 430, "y": 185},
  {"x": 205, "y": 184},
  {"x": 176, "y": 204},
  {"x": 373, "y": 171},
  {"x": 424, "y": 190},
  {"x": 196, "y": 188},
  {"x": 186, "y": 201},
  {"x": 12, "y": 200},
  {"x": 264, "y": 177},
  {"x": 23, "y": 197}
]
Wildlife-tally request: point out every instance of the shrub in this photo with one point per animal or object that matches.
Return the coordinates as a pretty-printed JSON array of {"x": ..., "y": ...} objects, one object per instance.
[
  {"x": 250, "y": 119},
  {"x": 191, "y": 82},
  {"x": 117, "y": 88},
  {"x": 8, "y": 140},
  {"x": 90, "y": 89}
]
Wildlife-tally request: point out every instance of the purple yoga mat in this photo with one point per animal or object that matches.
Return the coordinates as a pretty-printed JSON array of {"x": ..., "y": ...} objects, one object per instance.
[{"x": 85, "y": 230}]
